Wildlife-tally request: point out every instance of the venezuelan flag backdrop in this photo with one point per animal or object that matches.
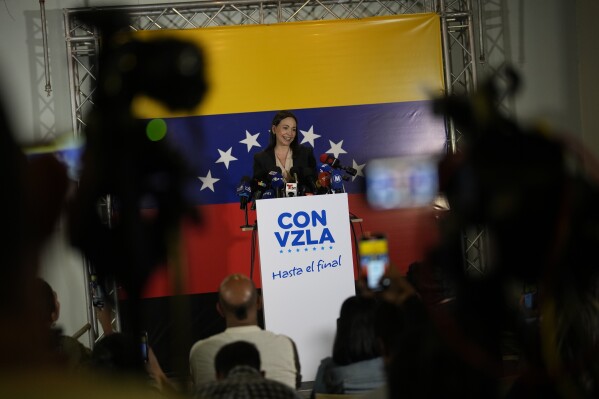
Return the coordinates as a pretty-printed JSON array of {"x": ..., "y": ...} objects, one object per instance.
[{"x": 360, "y": 88}]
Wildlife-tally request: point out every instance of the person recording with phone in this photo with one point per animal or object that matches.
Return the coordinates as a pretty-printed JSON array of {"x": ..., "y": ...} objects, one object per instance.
[{"x": 284, "y": 153}]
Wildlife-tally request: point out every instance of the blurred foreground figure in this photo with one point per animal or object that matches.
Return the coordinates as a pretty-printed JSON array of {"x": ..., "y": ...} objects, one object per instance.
[
  {"x": 124, "y": 161},
  {"x": 32, "y": 200},
  {"x": 535, "y": 195},
  {"x": 141, "y": 174},
  {"x": 535, "y": 192},
  {"x": 120, "y": 160}
]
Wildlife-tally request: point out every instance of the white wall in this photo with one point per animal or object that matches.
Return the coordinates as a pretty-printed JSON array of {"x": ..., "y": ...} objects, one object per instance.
[
  {"x": 588, "y": 67},
  {"x": 543, "y": 49},
  {"x": 557, "y": 57}
]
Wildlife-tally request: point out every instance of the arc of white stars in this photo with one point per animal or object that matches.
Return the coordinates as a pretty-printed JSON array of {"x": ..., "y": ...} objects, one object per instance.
[
  {"x": 251, "y": 140},
  {"x": 336, "y": 149},
  {"x": 357, "y": 167},
  {"x": 208, "y": 181},
  {"x": 226, "y": 157},
  {"x": 309, "y": 136}
]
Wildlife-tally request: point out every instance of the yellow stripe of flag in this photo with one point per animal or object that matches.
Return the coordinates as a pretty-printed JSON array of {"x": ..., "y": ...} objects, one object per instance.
[{"x": 317, "y": 64}]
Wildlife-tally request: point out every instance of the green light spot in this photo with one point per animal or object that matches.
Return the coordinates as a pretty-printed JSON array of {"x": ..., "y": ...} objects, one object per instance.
[{"x": 156, "y": 129}]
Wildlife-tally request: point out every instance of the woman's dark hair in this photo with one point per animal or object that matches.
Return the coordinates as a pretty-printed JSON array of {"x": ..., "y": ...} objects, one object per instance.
[
  {"x": 279, "y": 116},
  {"x": 355, "y": 339}
]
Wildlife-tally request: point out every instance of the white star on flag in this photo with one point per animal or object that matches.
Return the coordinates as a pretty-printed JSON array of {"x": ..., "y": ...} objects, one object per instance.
[
  {"x": 309, "y": 136},
  {"x": 358, "y": 168},
  {"x": 208, "y": 181},
  {"x": 251, "y": 140},
  {"x": 336, "y": 149},
  {"x": 226, "y": 157}
]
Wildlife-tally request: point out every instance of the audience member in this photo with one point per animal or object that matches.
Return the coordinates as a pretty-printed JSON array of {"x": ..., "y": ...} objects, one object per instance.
[
  {"x": 238, "y": 375},
  {"x": 122, "y": 355},
  {"x": 356, "y": 364},
  {"x": 239, "y": 303},
  {"x": 69, "y": 351}
]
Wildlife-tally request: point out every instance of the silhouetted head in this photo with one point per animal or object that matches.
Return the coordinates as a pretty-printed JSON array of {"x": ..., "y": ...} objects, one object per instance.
[
  {"x": 46, "y": 301},
  {"x": 239, "y": 353}
]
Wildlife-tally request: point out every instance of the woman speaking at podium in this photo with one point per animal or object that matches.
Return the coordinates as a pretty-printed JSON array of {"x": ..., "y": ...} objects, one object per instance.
[{"x": 284, "y": 152}]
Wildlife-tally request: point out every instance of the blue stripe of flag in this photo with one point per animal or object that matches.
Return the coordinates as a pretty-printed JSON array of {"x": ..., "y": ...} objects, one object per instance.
[{"x": 220, "y": 148}]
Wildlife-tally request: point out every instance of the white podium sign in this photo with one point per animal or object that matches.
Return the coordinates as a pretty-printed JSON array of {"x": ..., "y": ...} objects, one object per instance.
[{"x": 307, "y": 270}]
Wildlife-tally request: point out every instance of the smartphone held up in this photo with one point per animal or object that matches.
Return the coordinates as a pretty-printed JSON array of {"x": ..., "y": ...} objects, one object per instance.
[{"x": 374, "y": 259}]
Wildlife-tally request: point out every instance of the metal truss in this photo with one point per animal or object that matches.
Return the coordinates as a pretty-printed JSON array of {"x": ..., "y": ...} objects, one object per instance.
[
  {"x": 83, "y": 41},
  {"x": 494, "y": 52},
  {"x": 459, "y": 22},
  {"x": 457, "y": 30}
]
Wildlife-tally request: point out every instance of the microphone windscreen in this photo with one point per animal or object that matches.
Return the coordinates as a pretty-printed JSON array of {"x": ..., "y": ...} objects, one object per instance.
[
  {"x": 337, "y": 180},
  {"x": 245, "y": 187},
  {"x": 324, "y": 179},
  {"x": 244, "y": 191},
  {"x": 277, "y": 181},
  {"x": 325, "y": 168},
  {"x": 268, "y": 194},
  {"x": 258, "y": 185},
  {"x": 275, "y": 172}
]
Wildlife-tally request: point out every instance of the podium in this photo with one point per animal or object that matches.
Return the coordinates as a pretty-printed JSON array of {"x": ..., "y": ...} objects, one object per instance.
[{"x": 307, "y": 270}]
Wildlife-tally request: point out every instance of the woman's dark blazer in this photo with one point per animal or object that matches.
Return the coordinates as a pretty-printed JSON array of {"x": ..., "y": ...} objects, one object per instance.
[{"x": 303, "y": 158}]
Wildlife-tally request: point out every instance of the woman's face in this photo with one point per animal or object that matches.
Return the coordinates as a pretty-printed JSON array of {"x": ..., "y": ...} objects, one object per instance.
[{"x": 285, "y": 131}]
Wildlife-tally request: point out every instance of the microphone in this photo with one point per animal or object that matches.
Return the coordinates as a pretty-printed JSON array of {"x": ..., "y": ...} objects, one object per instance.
[
  {"x": 273, "y": 172},
  {"x": 244, "y": 191},
  {"x": 336, "y": 164},
  {"x": 337, "y": 182},
  {"x": 308, "y": 178},
  {"x": 259, "y": 188},
  {"x": 297, "y": 174},
  {"x": 325, "y": 168},
  {"x": 291, "y": 189},
  {"x": 323, "y": 182},
  {"x": 277, "y": 183},
  {"x": 270, "y": 193}
]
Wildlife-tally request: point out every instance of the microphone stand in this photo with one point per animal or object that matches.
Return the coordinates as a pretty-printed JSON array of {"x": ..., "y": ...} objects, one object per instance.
[{"x": 246, "y": 226}]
